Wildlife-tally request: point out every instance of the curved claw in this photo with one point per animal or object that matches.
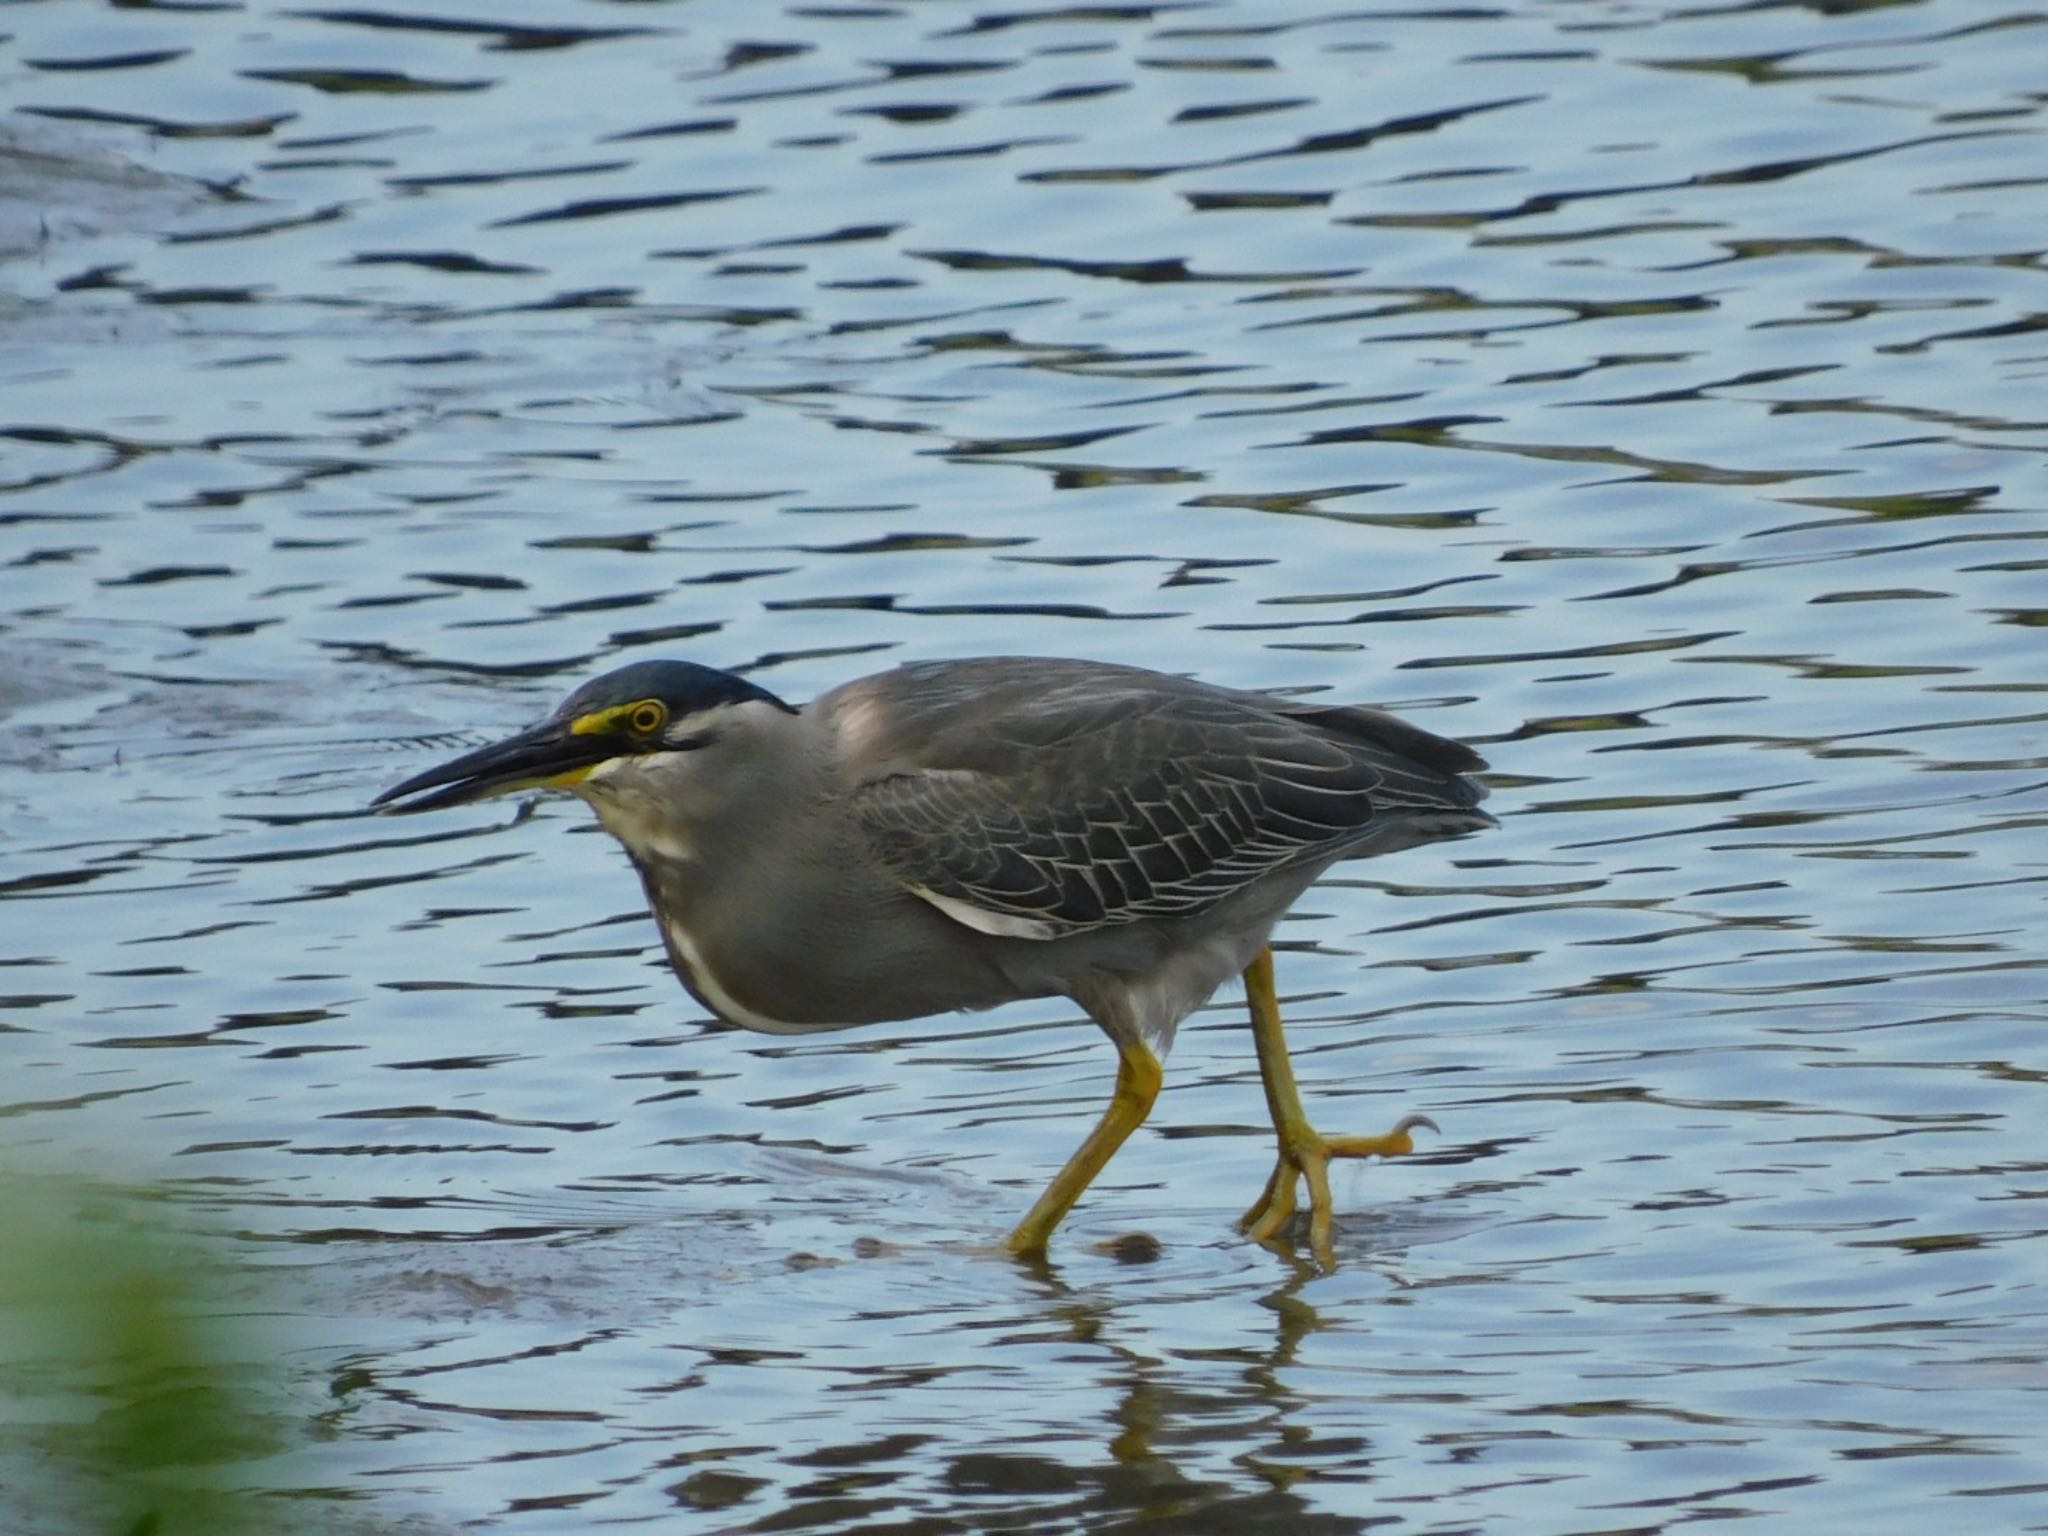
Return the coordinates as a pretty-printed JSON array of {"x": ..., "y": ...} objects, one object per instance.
[
  {"x": 1273, "y": 1209},
  {"x": 1309, "y": 1158},
  {"x": 1395, "y": 1143}
]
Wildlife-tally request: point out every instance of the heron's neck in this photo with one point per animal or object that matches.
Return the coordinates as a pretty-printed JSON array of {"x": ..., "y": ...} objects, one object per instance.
[{"x": 706, "y": 805}]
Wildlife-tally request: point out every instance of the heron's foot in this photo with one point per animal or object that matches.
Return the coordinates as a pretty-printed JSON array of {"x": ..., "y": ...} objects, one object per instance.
[{"x": 1305, "y": 1154}]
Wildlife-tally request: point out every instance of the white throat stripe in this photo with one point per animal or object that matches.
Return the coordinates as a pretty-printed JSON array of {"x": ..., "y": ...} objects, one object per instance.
[{"x": 690, "y": 959}]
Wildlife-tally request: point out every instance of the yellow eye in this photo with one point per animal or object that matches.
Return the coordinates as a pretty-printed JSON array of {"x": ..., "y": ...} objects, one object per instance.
[{"x": 646, "y": 717}]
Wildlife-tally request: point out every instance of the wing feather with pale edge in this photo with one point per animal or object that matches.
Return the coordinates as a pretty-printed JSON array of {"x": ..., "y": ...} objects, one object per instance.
[{"x": 1105, "y": 796}]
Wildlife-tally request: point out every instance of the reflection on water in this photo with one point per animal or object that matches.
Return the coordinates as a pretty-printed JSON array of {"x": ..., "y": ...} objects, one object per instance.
[{"x": 1645, "y": 395}]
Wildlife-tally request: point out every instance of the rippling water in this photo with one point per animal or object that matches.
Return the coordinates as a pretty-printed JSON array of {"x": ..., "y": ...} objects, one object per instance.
[{"x": 1649, "y": 395}]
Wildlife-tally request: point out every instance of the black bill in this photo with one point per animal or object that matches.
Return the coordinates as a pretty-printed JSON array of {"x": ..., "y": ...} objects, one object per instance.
[{"x": 550, "y": 756}]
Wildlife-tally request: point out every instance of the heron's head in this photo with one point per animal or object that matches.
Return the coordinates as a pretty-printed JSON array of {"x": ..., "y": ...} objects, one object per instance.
[{"x": 618, "y": 735}]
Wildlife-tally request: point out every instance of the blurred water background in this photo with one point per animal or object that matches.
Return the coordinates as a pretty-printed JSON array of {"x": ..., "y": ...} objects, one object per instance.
[{"x": 1650, "y": 394}]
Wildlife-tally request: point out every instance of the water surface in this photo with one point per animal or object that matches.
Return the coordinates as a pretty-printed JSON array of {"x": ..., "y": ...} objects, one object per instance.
[{"x": 1648, "y": 395}]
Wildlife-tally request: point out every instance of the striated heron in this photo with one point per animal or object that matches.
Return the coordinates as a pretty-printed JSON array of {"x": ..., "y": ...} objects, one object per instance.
[{"x": 958, "y": 834}]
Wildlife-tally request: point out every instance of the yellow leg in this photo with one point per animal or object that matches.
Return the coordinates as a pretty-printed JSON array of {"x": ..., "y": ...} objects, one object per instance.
[
  {"x": 1304, "y": 1152},
  {"x": 1138, "y": 1076}
]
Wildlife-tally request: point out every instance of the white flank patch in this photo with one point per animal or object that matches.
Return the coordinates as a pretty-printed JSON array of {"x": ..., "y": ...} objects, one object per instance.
[{"x": 1001, "y": 925}]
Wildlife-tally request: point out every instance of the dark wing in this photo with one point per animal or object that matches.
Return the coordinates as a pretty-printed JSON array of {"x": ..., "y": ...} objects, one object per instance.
[{"x": 1041, "y": 799}]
